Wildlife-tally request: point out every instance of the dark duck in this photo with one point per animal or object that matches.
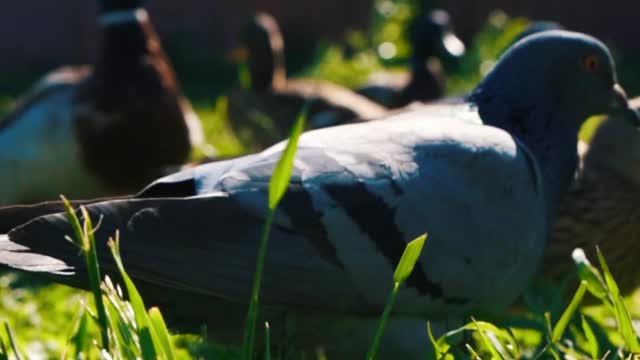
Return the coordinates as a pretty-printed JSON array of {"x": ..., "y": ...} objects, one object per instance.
[
  {"x": 262, "y": 114},
  {"x": 99, "y": 130},
  {"x": 433, "y": 42}
]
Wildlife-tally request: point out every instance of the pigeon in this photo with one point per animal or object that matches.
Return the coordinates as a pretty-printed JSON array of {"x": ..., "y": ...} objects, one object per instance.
[
  {"x": 263, "y": 114},
  {"x": 432, "y": 38},
  {"x": 601, "y": 207},
  {"x": 482, "y": 177},
  {"x": 104, "y": 130}
]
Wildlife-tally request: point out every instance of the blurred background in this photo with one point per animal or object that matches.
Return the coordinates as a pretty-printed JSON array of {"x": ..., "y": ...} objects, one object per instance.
[
  {"x": 335, "y": 40},
  {"x": 34, "y": 32}
]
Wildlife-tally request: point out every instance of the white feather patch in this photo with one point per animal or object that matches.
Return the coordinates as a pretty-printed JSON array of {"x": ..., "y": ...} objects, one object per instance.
[{"x": 40, "y": 157}]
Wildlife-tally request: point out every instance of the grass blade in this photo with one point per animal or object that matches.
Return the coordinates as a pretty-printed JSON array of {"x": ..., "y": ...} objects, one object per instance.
[
  {"x": 439, "y": 349},
  {"x": 495, "y": 353},
  {"x": 409, "y": 258},
  {"x": 80, "y": 338},
  {"x": 4, "y": 354},
  {"x": 562, "y": 324},
  {"x": 592, "y": 341},
  {"x": 149, "y": 343},
  {"x": 161, "y": 331},
  {"x": 403, "y": 270},
  {"x": 608, "y": 278},
  {"x": 282, "y": 171},
  {"x": 625, "y": 326},
  {"x": 277, "y": 188},
  {"x": 588, "y": 273},
  {"x": 87, "y": 241},
  {"x": 12, "y": 341},
  {"x": 373, "y": 349}
]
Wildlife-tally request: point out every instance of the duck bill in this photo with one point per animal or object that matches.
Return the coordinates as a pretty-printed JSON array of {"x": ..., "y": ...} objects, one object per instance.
[{"x": 620, "y": 107}]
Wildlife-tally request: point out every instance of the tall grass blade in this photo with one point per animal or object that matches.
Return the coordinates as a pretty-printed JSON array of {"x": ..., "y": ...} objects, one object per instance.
[
  {"x": 85, "y": 237},
  {"x": 409, "y": 258},
  {"x": 625, "y": 326},
  {"x": 277, "y": 188},
  {"x": 403, "y": 270},
  {"x": 4, "y": 354},
  {"x": 162, "y": 332},
  {"x": 495, "y": 354},
  {"x": 439, "y": 349},
  {"x": 12, "y": 341},
  {"x": 562, "y": 324},
  {"x": 588, "y": 273},
  {"x": 80, "y": 338},
  {"x": 384, "y": 319},
  {"x": 149, "y": 342},
  {"x": 282, "y": 171},
  {"x": 473, "y": 353},
  {"x": 608, "y": 277},
  {"x": 592, "y": 340}
]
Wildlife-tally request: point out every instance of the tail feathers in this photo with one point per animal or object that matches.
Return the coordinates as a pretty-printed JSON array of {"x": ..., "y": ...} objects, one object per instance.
[{"x": 20, "y": 257}]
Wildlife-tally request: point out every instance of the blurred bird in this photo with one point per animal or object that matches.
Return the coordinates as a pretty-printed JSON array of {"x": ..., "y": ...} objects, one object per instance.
[
  {"x": 432, "y": 38},
  {"x": 482, "y": 177},
  {"x": 602, "y": 207},
  {"x": 264, "y": 114},
  {"x": 103, "y": 130}
]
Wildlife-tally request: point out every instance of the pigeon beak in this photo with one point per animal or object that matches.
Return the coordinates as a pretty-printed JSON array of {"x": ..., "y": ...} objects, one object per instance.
[
  {"x": 620, "y": 106},
  {"x": 452, "y": 45}
]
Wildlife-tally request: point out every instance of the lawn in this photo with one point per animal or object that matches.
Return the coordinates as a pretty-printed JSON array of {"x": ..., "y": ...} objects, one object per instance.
[{"x": 46, "y": 319}]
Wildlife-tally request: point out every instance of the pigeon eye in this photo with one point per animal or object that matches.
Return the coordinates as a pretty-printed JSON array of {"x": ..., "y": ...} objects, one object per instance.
[{"x": 590, "y": 63}]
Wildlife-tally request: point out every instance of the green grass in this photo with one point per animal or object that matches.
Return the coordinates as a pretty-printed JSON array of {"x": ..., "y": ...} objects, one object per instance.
[{"x": 48, "y": 320}]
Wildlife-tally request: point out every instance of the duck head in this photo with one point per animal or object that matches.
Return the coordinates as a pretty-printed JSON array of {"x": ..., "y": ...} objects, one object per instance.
[
  {"x": 262, "y": 47},
  {"x": 432, "y": 35}
]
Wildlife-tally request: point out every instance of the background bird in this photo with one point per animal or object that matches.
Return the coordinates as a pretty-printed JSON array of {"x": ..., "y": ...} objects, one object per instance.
[
  {"x": 602, "y": 207},
  {"x": 358, "y": 194},
  {"x": 432, "y": 39},
  {"x": 263, "y": 114},
  {"x": 102, "y": 130}
]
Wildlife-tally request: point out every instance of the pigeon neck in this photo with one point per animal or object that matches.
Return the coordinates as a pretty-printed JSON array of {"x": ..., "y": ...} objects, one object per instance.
[{"x": 546, "y": 133}]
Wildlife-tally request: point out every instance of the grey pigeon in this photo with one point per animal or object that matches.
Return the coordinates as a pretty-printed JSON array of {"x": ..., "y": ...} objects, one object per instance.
[{"x": 482, "y": 177}]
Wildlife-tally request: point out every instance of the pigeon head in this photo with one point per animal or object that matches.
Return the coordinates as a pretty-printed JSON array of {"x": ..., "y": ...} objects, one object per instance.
[
  {"x": 553, "y": 76},
  {"x": 541, "y": 91}
]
